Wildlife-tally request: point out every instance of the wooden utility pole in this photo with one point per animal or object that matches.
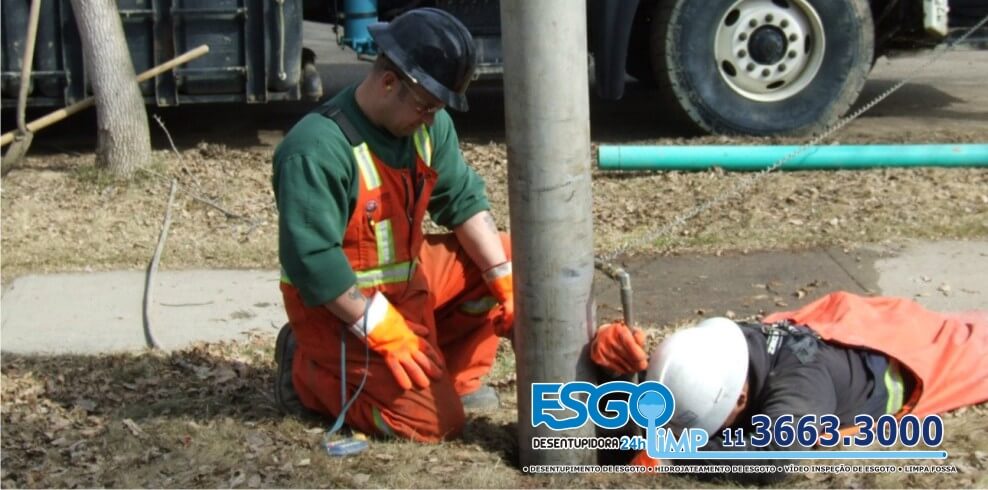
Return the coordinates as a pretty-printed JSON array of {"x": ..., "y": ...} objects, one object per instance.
[{"x": 123, "y": 142}]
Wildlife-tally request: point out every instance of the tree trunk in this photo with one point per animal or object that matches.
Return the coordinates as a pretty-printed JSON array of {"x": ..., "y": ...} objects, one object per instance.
[{"x": 123, "y": 142}]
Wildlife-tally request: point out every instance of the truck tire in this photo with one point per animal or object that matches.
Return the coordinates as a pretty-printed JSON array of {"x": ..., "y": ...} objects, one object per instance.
[{"x": 762, "y": 67}]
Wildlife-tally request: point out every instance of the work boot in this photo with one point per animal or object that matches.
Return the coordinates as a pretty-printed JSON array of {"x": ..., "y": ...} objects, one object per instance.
[
  {"x": 284, "y": 391},
  {"x": 481, "y": 400}
]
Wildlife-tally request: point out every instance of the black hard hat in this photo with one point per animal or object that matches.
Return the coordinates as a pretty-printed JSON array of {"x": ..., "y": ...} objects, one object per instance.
[{"x": 432, "y": 48}]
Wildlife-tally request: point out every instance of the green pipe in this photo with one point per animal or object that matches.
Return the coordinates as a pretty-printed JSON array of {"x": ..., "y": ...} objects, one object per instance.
[{"x": 730, "y": 157}]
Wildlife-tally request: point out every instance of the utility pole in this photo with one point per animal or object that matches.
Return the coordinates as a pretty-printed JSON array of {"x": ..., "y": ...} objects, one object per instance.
[{"x": 547, "y": 112}]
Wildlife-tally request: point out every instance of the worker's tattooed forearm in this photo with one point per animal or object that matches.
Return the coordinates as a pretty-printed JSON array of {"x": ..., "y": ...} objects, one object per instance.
[{"x": 491, "y": 224}]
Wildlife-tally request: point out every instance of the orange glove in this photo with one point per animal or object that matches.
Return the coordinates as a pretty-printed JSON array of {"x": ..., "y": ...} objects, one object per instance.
[
  {"x": 500, "y": 281},
  {"x": 411, "y": 359},
  {"x": 619, "y": 348},
  {"x": 643, "y": 459}
]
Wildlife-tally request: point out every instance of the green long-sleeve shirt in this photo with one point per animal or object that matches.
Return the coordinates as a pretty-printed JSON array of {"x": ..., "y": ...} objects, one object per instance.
[{"x": 316, "y": 180}]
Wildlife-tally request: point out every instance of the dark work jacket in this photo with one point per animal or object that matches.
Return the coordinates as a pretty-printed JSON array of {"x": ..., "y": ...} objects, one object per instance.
[{"x": 802, "y": 375}]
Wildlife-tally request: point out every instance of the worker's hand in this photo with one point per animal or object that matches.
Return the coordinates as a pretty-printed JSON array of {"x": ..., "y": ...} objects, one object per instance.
[
  {"x": 643, "y": 459},
  {"x": 411, "y": 359},
  {"x": 619, "y": 348},
  {"x": 499, "y": 280}
]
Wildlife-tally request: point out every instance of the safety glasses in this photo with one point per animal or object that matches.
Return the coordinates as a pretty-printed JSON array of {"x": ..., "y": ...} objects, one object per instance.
[{"x": 421, "y": 106}]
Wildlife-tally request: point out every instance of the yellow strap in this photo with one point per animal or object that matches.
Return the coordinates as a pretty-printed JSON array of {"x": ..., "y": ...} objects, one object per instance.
[
  {"x": 378, "y": 276},
  {"x": 385, "y": 242},
  {"x": 379, "y": 422},
  {"x": 368, "y": 171},
  {"x": 479, "y": 306},
  {"x": 423, "y": 144},
  {"x": 390, "y": 274},
  {"x": 894, "y": 386}
]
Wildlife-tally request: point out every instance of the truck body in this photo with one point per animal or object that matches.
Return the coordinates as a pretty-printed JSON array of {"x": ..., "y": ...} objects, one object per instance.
[{"x": 758, "y": 67}]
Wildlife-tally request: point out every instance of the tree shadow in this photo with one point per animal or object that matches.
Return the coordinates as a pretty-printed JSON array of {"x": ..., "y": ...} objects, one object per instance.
[
  {"x": 194, "y": 383},
  {"x": 499, "y": 438}
]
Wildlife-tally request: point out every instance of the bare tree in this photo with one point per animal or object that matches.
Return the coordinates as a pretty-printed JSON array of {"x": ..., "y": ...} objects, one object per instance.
[{"x": 123, "y": 141}]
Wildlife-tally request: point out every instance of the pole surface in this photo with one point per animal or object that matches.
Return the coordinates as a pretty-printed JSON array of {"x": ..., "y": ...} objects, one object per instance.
[{"x": 547, "y": 113}]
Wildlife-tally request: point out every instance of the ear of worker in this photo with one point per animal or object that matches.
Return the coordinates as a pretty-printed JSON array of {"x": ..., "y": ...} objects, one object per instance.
[{"x": 619, "y": 348}]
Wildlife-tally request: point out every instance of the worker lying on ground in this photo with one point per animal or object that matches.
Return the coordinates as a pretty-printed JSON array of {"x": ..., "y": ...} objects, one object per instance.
[
  {"x": 399, "y": 324},
  {"x": 843, "y": 355}
]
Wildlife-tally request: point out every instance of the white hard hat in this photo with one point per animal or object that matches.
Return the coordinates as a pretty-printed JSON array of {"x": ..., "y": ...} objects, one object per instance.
[{"x": 705, "y": 368}]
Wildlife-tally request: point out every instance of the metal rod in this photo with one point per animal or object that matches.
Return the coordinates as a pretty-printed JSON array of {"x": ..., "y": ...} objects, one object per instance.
[
  {"x": 548, "y": 134},
  {"x": 55, "y": 116},
  {"x": 624, "y": 281}
]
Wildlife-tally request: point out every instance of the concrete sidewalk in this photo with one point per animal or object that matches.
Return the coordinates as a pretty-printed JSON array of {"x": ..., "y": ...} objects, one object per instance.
[
  {"x": 942, "y": 276},
  {"x": 101, "y": 312}
]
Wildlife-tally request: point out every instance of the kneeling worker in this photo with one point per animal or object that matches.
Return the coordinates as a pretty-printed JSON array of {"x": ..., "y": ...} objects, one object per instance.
[
  {"x": 843, "y": 354},
  {"x": 393, "y": 329}
]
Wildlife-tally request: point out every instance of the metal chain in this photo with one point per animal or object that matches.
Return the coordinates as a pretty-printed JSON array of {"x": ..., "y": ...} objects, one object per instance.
[{"x": 752, "y": 179}]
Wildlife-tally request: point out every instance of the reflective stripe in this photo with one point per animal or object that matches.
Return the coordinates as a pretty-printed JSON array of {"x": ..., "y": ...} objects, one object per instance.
[
  {"x": 385, "y": 242},
  {"x": 379, "y": 422},
  {"x": 385, "y": 275},
  {"x": 894, "y": 386},
  {"x": 773, "y": 341},
  {"x": 423, "y": 144},
  {"x": 368, "y": 172},
  {"x": 378, "y": 276},
  {"x": 478, "y": 307},
  {"x": 374, "y": 315},
  {"x": 497, "y": 271}
]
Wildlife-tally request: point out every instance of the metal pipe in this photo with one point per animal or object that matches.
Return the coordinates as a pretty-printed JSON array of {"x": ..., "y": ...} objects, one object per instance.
[
  {"x": 730, "y": 157},
  {"x": 547, "y": 113},
  {"x": 624, "y": 281}
]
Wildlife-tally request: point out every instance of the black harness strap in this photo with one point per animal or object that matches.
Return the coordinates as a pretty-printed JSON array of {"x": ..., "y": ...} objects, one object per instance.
[
  {"x": 803, "y": 341},
  {"x": 333, "y": 111}
]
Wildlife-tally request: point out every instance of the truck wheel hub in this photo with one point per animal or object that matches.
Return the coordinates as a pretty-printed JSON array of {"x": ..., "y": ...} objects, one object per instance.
[
  {"x": 767, "y": 45},
  {"x": 769, "y": 50}
]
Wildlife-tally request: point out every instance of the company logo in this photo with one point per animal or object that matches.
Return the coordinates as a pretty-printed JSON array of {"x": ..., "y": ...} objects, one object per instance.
[{"x": 564, "y": 406}]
